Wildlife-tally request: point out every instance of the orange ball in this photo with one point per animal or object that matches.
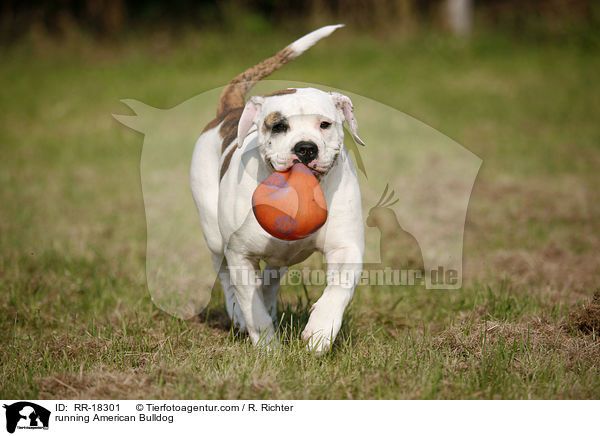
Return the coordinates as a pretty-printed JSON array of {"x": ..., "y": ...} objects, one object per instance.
[{"x": 290, "y": 205}]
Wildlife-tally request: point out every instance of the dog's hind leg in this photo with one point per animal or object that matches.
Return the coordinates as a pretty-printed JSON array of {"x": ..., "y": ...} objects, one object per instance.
[
  {"x": 247, "y": 281},
  {"x": 231, "y": 303},
  {"x": 270, "y": 288}
]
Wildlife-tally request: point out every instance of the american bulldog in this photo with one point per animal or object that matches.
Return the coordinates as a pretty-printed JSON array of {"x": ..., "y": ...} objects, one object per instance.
[{"x": 244, "y": 144}]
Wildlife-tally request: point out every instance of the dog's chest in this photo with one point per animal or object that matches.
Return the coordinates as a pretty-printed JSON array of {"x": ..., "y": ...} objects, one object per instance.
[
  {"x": 254, "y": 242},
  {"x": 283, "y": 253}
]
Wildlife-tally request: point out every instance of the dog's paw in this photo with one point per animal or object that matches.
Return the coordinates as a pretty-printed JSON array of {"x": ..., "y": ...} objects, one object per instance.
[
  {"x": 267, "y": 340},
  {"x": 318, "y": 333},
  {"x": 317, "y": 342},
  {"x": 273, "y": 313},
  {"x": 240, "y": 324},
  {"x": 237, "y": 318},
  {"x": 323, "y": 325}
]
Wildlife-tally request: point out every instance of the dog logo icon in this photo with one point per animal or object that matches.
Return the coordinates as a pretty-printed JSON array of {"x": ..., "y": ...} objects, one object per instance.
[{"x": 26, "y": 415}]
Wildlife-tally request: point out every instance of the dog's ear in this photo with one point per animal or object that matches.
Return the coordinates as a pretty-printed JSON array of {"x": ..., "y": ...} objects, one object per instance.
[
  {"x": 249, "y": 117},
  {"x": 346, "y": 109}
]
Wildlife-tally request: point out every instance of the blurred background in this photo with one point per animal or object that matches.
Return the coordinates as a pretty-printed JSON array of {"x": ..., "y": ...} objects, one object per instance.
[{"x": 112, "y": 18}]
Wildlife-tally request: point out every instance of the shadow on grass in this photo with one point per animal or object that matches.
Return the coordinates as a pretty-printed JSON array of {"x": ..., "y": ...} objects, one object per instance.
[
  {"x": 291, "y": 319},
  {"x": 216, "y": 318}
]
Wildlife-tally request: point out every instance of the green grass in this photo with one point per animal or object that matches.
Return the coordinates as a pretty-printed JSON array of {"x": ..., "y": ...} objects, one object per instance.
[{"x": 76, "y": 319}]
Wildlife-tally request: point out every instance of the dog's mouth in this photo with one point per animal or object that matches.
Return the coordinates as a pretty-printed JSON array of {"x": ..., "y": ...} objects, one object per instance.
[{"x": 317, "y": 173}]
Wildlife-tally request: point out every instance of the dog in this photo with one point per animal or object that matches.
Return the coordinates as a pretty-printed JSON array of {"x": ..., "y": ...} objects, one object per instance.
[{"x": 244, "y": 144}]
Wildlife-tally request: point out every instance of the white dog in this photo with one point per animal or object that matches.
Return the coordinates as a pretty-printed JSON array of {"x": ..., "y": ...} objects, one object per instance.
[{"x": 243, "y": 145}]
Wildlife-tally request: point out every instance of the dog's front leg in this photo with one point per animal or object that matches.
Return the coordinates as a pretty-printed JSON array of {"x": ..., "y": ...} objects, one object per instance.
[
  {"x": 344, "y": 266},
  {"x": 245, "y": 275}
]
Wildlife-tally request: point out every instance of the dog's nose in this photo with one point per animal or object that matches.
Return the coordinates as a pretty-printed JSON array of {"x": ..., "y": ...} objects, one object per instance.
[{"x": 306, "y": 151}]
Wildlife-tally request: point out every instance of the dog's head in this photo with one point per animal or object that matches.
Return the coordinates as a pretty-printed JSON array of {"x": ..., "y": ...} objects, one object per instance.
[{"x": 299, "y": 125}]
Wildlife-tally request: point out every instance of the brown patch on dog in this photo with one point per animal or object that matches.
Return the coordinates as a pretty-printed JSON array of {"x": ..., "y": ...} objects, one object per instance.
[
  {"x": 234, "y": 94},
  {"x": 230, "y": 122},
  {"x": 281, "y": 92},
  {"x": 587, "y": 319},
  {"x": 214, "y": 123},
  {"x": 228, "y": 131},
  {"x": 272, "y": 119}
]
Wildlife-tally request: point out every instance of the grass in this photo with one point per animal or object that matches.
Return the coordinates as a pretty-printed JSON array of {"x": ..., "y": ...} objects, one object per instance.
[{"x": 76, "y": 320}]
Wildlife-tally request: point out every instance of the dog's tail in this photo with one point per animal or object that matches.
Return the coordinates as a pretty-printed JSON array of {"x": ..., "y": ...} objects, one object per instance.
[{"x": 234, "y": 94}]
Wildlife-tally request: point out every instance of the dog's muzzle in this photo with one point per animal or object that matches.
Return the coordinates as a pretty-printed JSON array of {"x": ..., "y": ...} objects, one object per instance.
[{"x": 306, "y": 151}]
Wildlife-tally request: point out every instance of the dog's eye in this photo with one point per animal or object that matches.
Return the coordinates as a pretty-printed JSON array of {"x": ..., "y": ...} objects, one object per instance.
[
  {"x": 279, "y": 128},
  {"x": 325, "y": 125}
]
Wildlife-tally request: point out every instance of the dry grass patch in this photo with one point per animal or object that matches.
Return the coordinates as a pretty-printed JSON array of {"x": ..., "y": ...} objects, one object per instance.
[
  {"x": 539, "y": 233},
  {"x": 526, "y": 338},
  {"x": 587, "y": 318},
  {"x": 125, "y": 384}
]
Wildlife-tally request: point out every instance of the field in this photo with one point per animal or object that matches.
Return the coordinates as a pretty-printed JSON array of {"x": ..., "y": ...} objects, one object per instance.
[{"x": 76, "y": 319}]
